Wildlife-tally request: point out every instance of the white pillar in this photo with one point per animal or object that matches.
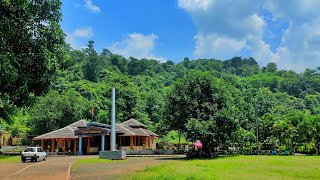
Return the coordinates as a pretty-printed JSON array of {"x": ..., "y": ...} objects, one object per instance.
[
  {"x": 80, "y": 145},
  {"x": 102, "y": 142},
  {"x": 113, "y": 121}
]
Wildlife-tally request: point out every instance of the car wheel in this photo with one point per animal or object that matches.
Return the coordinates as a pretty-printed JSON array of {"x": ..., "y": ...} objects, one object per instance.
[
  {"x": 45, "y": 158},
  {"x": 23, "y": 160}
]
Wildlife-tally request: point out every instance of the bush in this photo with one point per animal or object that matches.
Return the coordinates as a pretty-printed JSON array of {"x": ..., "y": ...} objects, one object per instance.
[
  {"x": 307, "y": 149},
  {"x": 26, "y": 141},
  {"x": 284, "y": 147},
  {"x": 312, "y": 151}
]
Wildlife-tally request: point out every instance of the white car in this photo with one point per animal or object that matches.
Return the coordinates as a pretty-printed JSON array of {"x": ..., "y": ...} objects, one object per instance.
[{"x": 33, "y": 154}]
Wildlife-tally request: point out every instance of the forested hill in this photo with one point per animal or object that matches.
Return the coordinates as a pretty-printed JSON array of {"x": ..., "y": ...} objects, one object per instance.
[{"x": 283, "y": 101}]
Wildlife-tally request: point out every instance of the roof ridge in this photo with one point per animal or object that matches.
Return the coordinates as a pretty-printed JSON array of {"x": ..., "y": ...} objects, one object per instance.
[
  {"x": 50, "y": 132},
  {"x": 69, "y": 127},
  {"x": 134, "y": 121},
  {"x": 122, "y": 125},
  {"x": 82, "y": 120}
]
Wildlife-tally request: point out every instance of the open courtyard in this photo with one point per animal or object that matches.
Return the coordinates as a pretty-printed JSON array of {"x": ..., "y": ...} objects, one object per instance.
[{"x": 236, "y": 167}]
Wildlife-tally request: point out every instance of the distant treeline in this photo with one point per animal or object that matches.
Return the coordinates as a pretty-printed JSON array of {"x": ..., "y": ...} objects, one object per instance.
[{"x": 220, "y": 102}]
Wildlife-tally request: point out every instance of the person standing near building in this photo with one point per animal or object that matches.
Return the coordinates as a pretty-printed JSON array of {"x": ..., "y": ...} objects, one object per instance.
[{"x": 186, "y": 148}]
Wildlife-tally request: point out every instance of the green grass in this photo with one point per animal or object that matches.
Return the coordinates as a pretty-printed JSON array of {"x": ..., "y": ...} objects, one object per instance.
[
  {"x": 4, "y": 158},
  {"x": 95, "y": 160},
  {"x": 238, "y": 167}
]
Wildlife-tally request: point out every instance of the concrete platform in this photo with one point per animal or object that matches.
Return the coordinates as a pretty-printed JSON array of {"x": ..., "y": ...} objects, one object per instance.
[{"x": 112, "y": 154}]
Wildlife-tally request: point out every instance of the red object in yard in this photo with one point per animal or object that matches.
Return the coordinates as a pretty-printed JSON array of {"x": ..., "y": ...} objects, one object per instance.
[{"x": 198, "y": 144}]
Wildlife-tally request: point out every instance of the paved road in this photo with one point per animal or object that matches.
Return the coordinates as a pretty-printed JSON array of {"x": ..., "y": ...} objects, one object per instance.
[
  {"x": 53, "y": 168},
  {"x": 58, "y": 168},
  {"x": 117, "y": 169}
]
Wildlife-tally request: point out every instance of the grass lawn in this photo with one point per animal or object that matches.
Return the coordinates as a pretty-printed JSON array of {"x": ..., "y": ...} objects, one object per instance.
[
  {"x": 88, "y": 161},
  {"x": 4, "y": 158},
  {"x": 238, "y": 167}
]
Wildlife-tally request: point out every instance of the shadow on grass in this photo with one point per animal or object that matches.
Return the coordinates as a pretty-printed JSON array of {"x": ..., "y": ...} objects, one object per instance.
[
  {"x": 196, "y": 158},
  {"x": 171, "y": 158}
]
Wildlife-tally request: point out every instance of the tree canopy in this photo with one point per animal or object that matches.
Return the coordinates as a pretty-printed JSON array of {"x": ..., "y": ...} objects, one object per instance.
[
  {"x": 32, "y": 49},
  {"x": 45, "y": 85}
]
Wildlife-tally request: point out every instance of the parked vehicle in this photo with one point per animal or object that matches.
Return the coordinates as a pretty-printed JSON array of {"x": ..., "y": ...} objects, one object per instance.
[{"x": 33, "y": 154}]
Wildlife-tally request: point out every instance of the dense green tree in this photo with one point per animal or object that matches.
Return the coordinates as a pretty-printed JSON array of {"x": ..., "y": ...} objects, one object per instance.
[
  {"x": 32, "y": 49},
  {"x": 218, "y": 102},
  {"x": 271, "y": 67},
  {"x": 119, "y": 62},
  {"x": 314, "y": 130},
  {"x": 91, "y": 67},
  {"x": 197, "y": 105},
  {"x": 312, "y": 102},
  {"x": 56, "y": 110}
]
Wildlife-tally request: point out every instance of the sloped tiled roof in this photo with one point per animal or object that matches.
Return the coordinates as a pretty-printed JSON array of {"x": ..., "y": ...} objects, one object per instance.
[
  {"x": 99, "y": 124},
  {"x": 91, "y": 130},
  {"x": 143, "y": 132},
  {"x": 133, "y": 123},
  {"x": 131, "y": 127},
  {"x": 127, "y": 131},
  {"x": 66, "y": 132}
]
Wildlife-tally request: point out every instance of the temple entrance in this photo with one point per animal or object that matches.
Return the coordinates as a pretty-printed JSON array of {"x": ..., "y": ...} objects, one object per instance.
[
  {"x": 92, "y": 139},
  {"x": 84, "y": 145}
]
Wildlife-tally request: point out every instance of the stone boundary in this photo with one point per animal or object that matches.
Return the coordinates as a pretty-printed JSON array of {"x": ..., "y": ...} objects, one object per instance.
[
  {"x": 12, "y": 149},
  {"x": 151, "y": 152}
]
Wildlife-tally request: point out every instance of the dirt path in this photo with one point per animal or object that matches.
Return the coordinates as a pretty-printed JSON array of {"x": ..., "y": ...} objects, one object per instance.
[
  {"x": 7, "y": 168},
  {"x": 116, "y": 169},
  {"x": 53, "y": 168}
]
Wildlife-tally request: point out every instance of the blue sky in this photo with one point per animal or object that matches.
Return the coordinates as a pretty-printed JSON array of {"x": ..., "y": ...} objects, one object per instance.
[{"x": 285, "y": 32}]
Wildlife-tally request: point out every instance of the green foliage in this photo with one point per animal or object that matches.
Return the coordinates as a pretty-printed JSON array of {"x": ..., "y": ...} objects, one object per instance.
[
  {"x": 32, "y": 49},
  {"x": 57, "y": 110},
  {"x": 221, "y": 103},
  {"x": 19, "y": 125},
  {"x": 172, "y": 138},
  {"x": 91, "y": 67},
  {"x": 271, "y": 67},
  {"x": 198, "y": 106}
]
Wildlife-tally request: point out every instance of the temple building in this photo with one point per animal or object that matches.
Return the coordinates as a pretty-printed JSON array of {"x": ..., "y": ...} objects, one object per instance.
[{"x": 83, "y": 137}]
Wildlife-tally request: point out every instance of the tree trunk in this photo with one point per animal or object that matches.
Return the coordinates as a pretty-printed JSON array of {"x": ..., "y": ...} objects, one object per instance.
[
  {"x": 179, "y": 136},
  {"x": 318, "y": 147}
]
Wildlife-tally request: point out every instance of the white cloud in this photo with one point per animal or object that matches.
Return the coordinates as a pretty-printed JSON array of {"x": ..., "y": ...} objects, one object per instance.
[
  {"x": 221, "y": 47},
  {"x": 195, "y": 5},
  {"x": 136, "y": 45},
  {"x": 86, "y": 32},
  {"x": 294, "y": 10},
  {"x": 228, "y": 28},
  {"x": 225, "y": 28},
  {"x": 92, "y": 7},
  {"x": 300, "y": 44},
  {"x": 77, "y": 35}
]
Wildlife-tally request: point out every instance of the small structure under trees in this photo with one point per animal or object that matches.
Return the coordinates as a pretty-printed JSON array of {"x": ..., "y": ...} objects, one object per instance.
[{"x": 92, "y": 137}]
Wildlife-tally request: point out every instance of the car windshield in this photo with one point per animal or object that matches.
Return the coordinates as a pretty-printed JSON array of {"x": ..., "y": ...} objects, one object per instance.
[{"x": 30, "y": 150}]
